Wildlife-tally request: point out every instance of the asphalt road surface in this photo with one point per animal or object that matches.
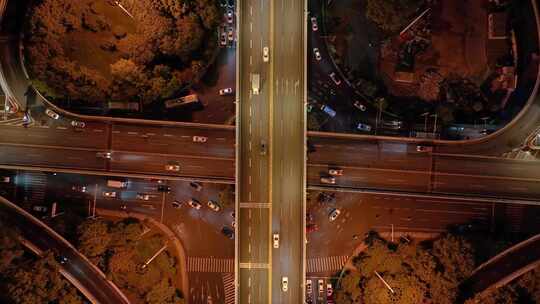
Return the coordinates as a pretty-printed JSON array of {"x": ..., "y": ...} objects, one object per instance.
[
  {"x": 398, "y": 166},
  {"x": 287, "y": 144},
  {"x": 79, "y": 268},
  {"x": 253, "y": 230}
]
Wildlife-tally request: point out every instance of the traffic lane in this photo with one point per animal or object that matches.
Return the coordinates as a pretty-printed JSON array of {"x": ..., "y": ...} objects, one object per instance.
[
  {"x": 76, "y": 266},
  {"x": 358, "y": 177},
  {"x": 205, "y": 286},
  {"x": 56, "y": 157},
  {"x": 94, "y": 136},
  {"x": 168, "y": 140},
  {"x": 254, "y": 233},
  {"x": 256, "y": 285},
  {"x": 372, "y": 154},
  {"x": 487, "y": 186},
  {"x": 190, "y": 166},
  {"x": 12, "y": 69},
  {"x": 486, "y": 166}
]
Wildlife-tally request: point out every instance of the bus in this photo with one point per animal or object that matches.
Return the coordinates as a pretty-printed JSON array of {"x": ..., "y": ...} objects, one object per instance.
[
  {"x": 255, "y": 79},
  {"x": 192, "y": 99}
]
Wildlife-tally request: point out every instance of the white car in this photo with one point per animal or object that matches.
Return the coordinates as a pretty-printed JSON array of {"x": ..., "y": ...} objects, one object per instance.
[
  {"x": 284, "y": 284},
  {"x": 193, "y": 203},
  {"x": 226, "y": 91},
  {"x": 213, "y": 205},
  {"x": 357, "y": 104},
  {"x": 106, "y": 155},
  {"x": 200, "y": 139},
  {"x": 328, "y": 180},
  {"x": 176, "y": 204},
  {"x": 314, "y": 25},
  {"x": 40, "y": 208},
  {"x": 52, "y": 114},
  {"x": 321, "y": 286},
  {"x": 335, "y": 172},
  {"x": 266, "y": 54},
  {"x": 334, "y": 214},
  {"x": 143, "y": 196},
  {"x": 5, "y": 179},
  {"x": 334, "y": 78},
  {"x": 172, "y": 167},
  {"x": 109, "y": 194},
  {"x": 275, "y": 239},
  {"x": 317, "y": 54},
  {"x": 309, "y": 287},
  {"x": 229, "y": 15},
  {"x": 78, "y": 124}
]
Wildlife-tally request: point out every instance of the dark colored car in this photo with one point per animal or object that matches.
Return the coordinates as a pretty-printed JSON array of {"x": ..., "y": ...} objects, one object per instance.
[
  {"x": 228, "y": 232},
  {"x": 164, "y": 188}
]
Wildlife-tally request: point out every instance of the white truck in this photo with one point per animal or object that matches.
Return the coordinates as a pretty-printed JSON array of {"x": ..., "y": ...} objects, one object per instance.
[
  {"x": 255, "y": 82},
  {"x": 116, "y": 184}
]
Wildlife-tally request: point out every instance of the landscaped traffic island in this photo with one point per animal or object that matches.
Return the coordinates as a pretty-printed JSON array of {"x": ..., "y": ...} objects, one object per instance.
[{"x": 98, "y": 51}]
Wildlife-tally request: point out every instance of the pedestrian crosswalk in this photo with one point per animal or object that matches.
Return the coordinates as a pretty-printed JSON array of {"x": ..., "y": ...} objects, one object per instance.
[
  {"x": 200, "y": 264},
  {"x": 324, "y": 264},
  {"x": 228, "y": 285},
  {"x": 34, "y": 185}
]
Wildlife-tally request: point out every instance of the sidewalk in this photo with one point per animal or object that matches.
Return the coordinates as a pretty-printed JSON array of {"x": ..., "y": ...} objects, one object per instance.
[{"x": 183, "y": 276}]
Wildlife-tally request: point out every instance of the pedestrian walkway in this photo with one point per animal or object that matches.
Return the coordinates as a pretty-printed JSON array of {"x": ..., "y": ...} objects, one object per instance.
[
  {"x": 228, "y": 286},
  {"x": 324, "y": 264},
  {"x": 196, "y": 264}
]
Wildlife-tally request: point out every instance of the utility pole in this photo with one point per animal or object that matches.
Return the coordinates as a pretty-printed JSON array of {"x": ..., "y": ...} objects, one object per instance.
[
  {"x": 143, "y": 266},
  {"x": 386, "y": 284}
]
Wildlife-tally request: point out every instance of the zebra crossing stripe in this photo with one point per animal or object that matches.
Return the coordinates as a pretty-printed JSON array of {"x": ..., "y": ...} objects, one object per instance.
[
  {"x": 203, "y": 264},
  {"x": 323, "y": 264},
  {"x": 228, "y": 286}
]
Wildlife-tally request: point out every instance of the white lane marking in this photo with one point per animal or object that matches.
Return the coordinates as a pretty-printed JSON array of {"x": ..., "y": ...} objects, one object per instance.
[
  {"x": 45, "y": 127},
  {"x": 249, "y": 145},
  {"x": 251, "y": 27},
  {"x": 250, "y": 112},
  {"x": 249, "y": 282},
  {"x": 250, "y": 43},
  {"x": 61, "y": 128},
  {"x": 132, "y": 133},
  {"x": 249, "y": 162},
  {"x": 150, "y": 134},
  {"x": 98, "y": 130},
  {"x": 249, "y": 195},
  {"x": 249, "y": 213},
  {"x": 249, "y": 231},
  {"x": 249, "y": 179},
  {"x": 250, "y": 60},
  {"x": 249, "y": 248},
  {"x": 168, "y": 135},
  {"x": 221, "y": 138},
  {"x": 185, "y": 136},
  {"x": 251, "y": 10},
  {"x": 250, "y": 130},
  {"x": 261, "y": 43}
]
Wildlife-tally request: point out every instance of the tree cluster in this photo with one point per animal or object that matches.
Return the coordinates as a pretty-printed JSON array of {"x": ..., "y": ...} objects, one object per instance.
[
  {"x": 29, "y": 280},
  {"x": 417, "y": 273},
  {"x": 391, "y": 15},
  {"x": 119, "y": 249},
  {"x": 170, "y": 48}
]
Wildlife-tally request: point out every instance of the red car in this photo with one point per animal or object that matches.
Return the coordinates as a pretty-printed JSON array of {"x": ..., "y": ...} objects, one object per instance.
[{"x": 311, "y": 228}]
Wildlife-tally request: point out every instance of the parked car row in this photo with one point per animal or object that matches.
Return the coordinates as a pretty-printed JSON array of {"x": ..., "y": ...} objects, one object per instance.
[{"x": 320, "y": 291}]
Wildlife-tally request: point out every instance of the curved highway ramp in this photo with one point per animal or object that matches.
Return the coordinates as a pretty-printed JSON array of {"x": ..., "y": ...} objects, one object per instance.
[{"x": 78, "y": 270}]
